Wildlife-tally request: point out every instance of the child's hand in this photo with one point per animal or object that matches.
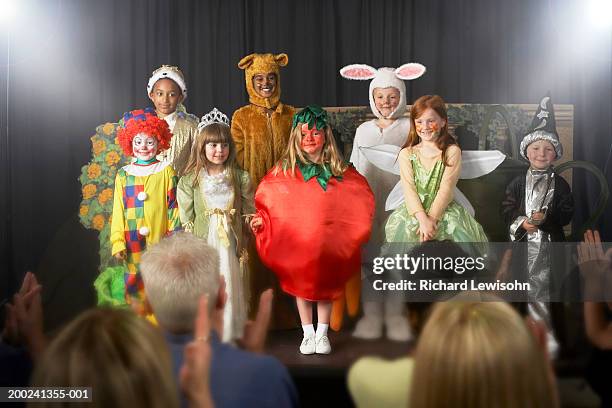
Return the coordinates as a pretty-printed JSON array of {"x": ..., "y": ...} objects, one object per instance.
[
  {"x": 121, "y": 255},
  {"x": 537, "y": 216},
  {"x": 530, "y": 228},
  {"x": 427, "y": 227},
  {"x": 256, "y": 224}
]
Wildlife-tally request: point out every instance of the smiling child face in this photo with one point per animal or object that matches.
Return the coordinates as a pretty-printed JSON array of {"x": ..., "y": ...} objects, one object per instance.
[
  {"x": 144, "y": 146},
  {"x": 386, "y": 100},
  {"x": 541, "y": 154},
  {"x": 428, "y": 125},
  {"x": 264, "y": 84}
]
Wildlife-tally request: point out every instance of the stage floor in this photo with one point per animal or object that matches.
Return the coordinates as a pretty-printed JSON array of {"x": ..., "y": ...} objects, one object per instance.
[{"x": 284, "y": 345}]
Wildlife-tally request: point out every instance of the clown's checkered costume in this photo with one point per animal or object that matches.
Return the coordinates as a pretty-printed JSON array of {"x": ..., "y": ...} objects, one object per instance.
[
  {"x": 144, "y": 211},
  {"x": 144, "y": 203}
]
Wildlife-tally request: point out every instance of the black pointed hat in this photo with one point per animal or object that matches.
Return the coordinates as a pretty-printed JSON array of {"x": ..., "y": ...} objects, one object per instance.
[{"x": 543, "y": 127}]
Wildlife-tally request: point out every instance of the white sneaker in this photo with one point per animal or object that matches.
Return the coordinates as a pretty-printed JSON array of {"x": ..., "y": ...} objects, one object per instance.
[
  {"x": 369, "y": 328},
  {"x": 308, "y": 345},
  {"x": 398, "y": 328},
  {"x": 323, "y": 346}
]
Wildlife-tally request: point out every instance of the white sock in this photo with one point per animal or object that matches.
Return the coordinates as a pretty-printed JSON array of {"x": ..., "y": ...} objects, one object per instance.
[
  {"x": 309, "y": 330},
  {"x": 321, "y": 330}
]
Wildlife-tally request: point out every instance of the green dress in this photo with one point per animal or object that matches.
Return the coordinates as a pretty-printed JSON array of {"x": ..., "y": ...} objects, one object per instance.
[{"x": 456, "y": 224}]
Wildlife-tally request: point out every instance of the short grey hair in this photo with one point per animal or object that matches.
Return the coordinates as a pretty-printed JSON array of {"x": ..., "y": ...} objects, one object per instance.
[{"x": 176, "y": 272}]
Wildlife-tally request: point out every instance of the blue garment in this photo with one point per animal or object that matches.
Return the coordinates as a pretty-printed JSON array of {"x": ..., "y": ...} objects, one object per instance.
[
  {"x": 239, "y": 378},
  {"x": 15, "y": 366}
]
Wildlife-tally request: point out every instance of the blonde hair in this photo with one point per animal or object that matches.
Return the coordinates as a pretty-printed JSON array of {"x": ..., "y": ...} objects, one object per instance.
[
  {"x": 479, "y": 354},
  {"x": 330, "y": 154},
  {"x": 213, "y": 133},
  {"x": 119, "y": 355},
  {"x": 176, "y": 272}
]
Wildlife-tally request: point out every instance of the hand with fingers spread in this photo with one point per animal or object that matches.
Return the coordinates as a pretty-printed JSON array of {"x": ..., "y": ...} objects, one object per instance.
[
  {"x": 594, "y": 266},
  {"x": 195, "y": 372},
  {"x": 595, "y": 269}
]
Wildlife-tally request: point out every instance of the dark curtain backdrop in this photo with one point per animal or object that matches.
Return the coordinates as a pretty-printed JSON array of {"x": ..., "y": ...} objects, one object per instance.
[{"x": 75, "y": 64}]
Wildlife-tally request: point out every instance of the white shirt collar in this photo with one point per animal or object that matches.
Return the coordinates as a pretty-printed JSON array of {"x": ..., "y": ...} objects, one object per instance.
[{"x": 171, "y": 120}]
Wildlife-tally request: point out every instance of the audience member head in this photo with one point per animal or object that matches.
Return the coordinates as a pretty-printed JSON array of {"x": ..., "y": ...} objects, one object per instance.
[
  {"x": 119, "y": 355},
  {"x": 479, "y": 354},
  {"x": 176, "y": 272}
]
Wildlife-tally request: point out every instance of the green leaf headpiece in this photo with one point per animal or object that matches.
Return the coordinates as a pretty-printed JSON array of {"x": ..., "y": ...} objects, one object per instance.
[{"x": 313, "y": 115}]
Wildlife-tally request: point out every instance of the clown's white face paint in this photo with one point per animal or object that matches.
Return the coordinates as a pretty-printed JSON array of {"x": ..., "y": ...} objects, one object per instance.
[{"x": 144, "y": 146}]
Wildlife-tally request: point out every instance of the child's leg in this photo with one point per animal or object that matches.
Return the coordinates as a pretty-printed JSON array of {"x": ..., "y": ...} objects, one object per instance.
[
  {"x": 398, "y": 328},
  {"x": 305, "y": 310},
  {"x": 323, "y": 314}
]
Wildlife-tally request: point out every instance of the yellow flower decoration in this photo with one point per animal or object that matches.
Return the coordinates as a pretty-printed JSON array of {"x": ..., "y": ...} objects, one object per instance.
[
  {"x": 105, "y": 195},
  {"x": 108, "y": 128},
  {"x": 94, "y": 170},
  {"x": 117, "y": 141},
  {"x": 98, "y": 222},
  {"x": 89, "y": 190},
  {"x": 112, "y": 158},
  {"x": 98, "y": 146},
  {"x": 84, "y": 210}
]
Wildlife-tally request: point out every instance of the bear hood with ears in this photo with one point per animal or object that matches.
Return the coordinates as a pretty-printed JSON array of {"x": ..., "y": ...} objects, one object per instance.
[
  {"x": 384, "y": 78},
  {"x": 263, "y": 64}
]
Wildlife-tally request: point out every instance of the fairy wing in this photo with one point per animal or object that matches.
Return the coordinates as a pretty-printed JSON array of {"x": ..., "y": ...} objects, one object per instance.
[
  {"x": 474, "y": 163},
  {"x": 477, "y": 163},
  {"x": 383, "y": 156}
]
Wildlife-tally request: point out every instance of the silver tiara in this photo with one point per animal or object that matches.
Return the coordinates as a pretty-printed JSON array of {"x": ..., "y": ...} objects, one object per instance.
[{"x": 214, "y": 116}]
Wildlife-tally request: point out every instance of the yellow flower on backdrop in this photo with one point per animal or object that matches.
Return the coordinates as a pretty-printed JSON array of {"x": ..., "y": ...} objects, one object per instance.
[
  {"x": 98, "y": 146},
  {"x": 108, "y": 128},
  {"x": 105, "y": 195},
  {"x": 89, "y": 190},
  {"x": 112, "y": 157},
  {"x": 94, "y": 171},
  {"x": 84, "y": 210},
  {"x": 98, "y": 222}
]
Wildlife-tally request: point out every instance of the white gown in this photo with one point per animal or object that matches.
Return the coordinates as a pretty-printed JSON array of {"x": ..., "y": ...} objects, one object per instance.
[{"x": 218, "y": 193}]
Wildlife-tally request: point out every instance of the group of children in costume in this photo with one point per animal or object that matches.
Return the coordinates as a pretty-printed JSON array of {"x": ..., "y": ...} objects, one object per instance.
[{"x": 312, "y": 212}]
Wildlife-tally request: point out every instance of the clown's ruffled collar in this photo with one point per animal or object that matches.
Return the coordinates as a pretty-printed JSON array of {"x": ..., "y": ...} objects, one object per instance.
[{"x": 322, "y": 172}]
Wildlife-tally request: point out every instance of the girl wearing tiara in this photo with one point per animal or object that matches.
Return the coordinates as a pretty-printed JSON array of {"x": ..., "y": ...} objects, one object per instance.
[{"x": 213, "y": 195}]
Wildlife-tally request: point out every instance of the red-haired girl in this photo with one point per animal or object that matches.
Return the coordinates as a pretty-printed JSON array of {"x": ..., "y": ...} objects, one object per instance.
[{"x": 430, "y": 164}]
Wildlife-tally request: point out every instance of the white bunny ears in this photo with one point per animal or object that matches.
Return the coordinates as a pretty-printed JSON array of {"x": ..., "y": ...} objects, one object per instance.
[
  {"x": 407, "y": 72},
  {"x": 384, "y": 78}
]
